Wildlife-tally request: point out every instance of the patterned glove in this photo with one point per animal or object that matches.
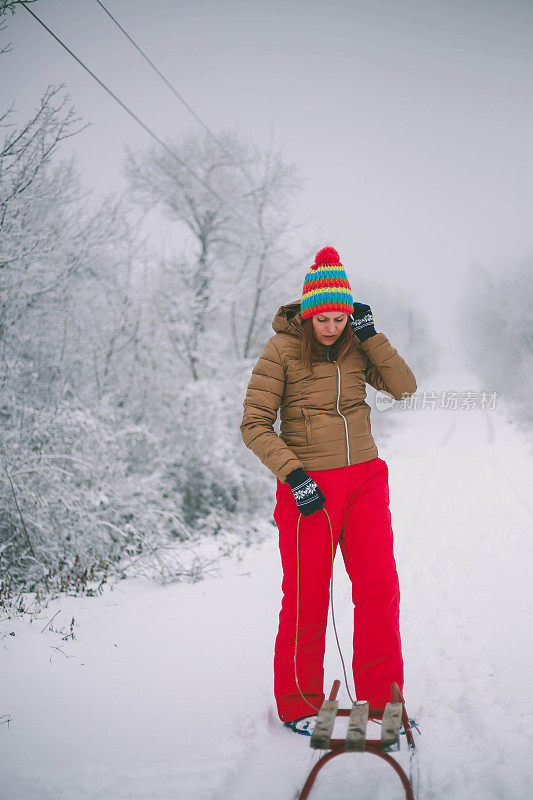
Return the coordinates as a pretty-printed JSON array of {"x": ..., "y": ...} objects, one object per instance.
[
  {"x": 362, "y": 321},
  {"x": 308, "y": 496}
]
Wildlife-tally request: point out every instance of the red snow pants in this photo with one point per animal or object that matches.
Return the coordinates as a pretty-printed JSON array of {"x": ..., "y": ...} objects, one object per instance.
[{"x": 357, "y": 501}]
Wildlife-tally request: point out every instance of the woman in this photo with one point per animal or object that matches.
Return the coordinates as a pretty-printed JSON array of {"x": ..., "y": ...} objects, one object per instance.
[{"x": 314, "y": 370}]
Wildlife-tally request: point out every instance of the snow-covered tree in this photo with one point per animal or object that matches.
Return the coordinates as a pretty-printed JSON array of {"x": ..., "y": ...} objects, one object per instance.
[
  {"x": 496, "y": 317},
  {"x": 235, "y": 213}
]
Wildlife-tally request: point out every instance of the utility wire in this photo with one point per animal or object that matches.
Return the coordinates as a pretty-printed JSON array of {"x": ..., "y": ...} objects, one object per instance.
[
  {"x": 163, "y": 78},
  {"x": 176, "y": 94},
  {"x": 133, "y": 115},
  {"x": 144, "y": 126}
]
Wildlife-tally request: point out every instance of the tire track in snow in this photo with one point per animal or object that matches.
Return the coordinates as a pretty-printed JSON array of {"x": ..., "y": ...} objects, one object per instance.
[{"x": 455, "y": 569}]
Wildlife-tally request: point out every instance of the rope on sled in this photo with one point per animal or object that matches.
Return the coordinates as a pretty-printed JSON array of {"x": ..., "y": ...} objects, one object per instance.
[{"x": 332, "y": 611}]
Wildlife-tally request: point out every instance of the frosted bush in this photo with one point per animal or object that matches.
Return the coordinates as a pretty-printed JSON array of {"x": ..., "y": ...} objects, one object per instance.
[{"x": 210, "y": 474}]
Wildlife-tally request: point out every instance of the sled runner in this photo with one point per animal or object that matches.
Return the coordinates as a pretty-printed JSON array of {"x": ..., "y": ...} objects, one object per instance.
[{"x": 392, "y": 718}]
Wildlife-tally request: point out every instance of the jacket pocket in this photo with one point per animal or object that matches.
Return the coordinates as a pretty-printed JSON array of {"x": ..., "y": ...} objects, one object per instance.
[{"x": 307, "y": 422}]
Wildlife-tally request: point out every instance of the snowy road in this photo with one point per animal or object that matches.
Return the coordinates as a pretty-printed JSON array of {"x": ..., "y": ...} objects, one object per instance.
[{"x": 166, "y": 692}]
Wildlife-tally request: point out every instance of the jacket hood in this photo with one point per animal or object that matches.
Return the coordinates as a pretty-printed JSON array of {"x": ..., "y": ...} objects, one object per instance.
[{"x": 288, "y": 319}]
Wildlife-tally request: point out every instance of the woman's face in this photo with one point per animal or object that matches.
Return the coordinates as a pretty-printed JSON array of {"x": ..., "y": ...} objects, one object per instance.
[{"x": 328, "y": 327}]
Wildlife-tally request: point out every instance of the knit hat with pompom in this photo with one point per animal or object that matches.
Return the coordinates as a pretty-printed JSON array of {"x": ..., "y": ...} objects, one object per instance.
[{"x": 326, "y": 286}]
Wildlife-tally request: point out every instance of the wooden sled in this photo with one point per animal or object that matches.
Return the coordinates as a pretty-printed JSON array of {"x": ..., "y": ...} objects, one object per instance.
[{"x": 391, "y": 718}]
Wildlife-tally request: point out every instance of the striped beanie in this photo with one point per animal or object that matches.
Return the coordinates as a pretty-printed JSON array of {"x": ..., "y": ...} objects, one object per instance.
[{"x": 326, "y": 287}]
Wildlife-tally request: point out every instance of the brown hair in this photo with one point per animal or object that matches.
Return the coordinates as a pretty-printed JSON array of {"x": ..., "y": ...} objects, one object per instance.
[{"x": 313, "y": 350}]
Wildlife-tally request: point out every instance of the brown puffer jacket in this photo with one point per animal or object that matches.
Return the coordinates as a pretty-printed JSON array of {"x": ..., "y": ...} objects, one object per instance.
[{"x": 325, "y": 421}]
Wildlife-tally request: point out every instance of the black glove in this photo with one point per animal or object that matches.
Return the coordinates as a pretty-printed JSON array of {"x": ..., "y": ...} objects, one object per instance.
[
  {"x": 308, "y": 496},
  {"x": 362, "y": 321}
]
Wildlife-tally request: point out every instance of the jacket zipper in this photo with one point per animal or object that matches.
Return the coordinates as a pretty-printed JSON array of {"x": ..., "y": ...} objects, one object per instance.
[
  {"x": 338, "y": 409},
  {"x": 342, "y": 415}
]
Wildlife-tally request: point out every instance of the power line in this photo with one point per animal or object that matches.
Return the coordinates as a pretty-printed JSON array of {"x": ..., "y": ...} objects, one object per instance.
[
  {"x": 175, "y": 91},
  {"x": 163, "y": 78},
  {"x": 132, "y": 114},
  {"x": 148, "y": 130}
]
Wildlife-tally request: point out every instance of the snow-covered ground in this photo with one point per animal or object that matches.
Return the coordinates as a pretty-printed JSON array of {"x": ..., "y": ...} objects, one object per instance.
[{"x": 166, "y": 692}]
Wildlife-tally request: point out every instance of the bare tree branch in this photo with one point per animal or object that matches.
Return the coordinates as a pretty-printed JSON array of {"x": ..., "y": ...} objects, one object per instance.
[{"x": 5, "y": 6}]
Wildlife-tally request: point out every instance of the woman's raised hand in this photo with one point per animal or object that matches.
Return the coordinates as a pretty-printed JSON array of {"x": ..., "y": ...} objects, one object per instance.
[
  {"x": 308, "y": 496},
  {"x": 362, "y": 321}
]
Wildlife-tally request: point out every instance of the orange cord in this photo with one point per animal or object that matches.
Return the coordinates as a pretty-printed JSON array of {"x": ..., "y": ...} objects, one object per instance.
[{"x": 298, "y": 610}]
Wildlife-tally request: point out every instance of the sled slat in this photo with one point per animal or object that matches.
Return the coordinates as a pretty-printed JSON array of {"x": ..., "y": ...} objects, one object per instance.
[
  {"x": 325, "y": 721},
  {"x": 390, "y": 726},
  {"x": 356, "y": 735}
]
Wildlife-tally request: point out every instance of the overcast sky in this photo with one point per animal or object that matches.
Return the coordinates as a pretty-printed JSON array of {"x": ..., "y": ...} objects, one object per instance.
[{"x": 412, "y": 121}]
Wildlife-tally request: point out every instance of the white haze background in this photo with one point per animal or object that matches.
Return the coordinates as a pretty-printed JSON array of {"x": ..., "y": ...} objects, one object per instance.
[{"x": 128, "y": 503}]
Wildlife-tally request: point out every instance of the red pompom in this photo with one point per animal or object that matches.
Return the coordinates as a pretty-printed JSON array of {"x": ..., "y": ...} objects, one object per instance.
[{"x": 328, "y": 255}]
